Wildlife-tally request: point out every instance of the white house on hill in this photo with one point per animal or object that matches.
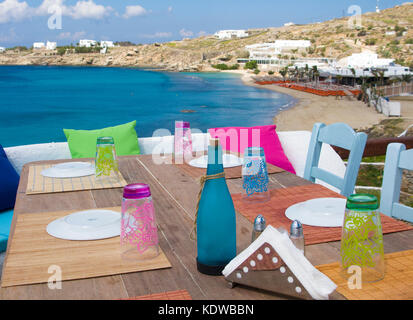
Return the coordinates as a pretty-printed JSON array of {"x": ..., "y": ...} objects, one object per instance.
[
  {"x": 39, "y": 45},
  {"x": 230, "y": 34},
  {"x": 2, "y": 49},
  {"x": 87, "y": 43},
  {"x": 105, "y": 43},
  {"x": 51, "y": 45}
]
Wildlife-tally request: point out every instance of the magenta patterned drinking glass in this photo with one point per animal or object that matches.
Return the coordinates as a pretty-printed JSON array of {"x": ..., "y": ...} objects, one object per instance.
[
  {"x": 139, "y": 233},
  {"x": 183, "y": 142}
]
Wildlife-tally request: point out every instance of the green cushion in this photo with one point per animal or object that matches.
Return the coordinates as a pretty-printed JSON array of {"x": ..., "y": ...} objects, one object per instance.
[{"x": 82, "y": 143}]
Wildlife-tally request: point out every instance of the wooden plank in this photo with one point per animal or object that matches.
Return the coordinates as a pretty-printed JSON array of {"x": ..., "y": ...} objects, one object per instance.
[{"x": 377, "y": 147}]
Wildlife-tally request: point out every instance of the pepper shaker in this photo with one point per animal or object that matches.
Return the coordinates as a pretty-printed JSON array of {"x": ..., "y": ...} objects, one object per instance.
[
  {"x": 297, "y": 235},
  {"x": 259, "y": 227}
]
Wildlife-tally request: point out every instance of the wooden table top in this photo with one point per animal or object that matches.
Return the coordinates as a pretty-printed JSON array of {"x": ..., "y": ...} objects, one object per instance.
[{"x": 174, "y": 194}]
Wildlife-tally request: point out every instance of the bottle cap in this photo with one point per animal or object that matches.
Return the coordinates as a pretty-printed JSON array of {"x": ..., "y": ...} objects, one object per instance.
[
  {"x": 362, "y": 202},
  {"x": 136, "y": 191},
  {"x": 182, "y": 124},
  {"x": 296, "y": 229},
  {"x": 259, "y": 223},
  {"x": 104, "y": 140}
]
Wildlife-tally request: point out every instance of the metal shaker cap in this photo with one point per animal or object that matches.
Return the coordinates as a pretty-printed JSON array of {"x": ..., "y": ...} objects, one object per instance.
[
  {"x": 259, "y": 223},
  {"x": 296, "y": 229}
]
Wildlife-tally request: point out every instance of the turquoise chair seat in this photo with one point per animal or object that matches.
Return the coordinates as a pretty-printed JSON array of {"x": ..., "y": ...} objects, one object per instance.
[{"x": 5, "y": 222}]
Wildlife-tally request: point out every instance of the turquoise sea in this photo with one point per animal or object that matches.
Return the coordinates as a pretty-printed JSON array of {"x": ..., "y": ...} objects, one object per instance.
[{"x": 37, "y": 102}]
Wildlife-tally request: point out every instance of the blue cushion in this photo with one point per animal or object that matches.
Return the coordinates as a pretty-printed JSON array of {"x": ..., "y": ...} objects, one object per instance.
[
  {"x": 5, "y": 222},
  {"x": 8, "y": 183}
]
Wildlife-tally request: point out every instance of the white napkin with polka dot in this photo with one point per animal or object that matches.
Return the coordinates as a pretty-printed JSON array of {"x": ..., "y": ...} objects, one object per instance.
[{"x": 317, "y": 284}]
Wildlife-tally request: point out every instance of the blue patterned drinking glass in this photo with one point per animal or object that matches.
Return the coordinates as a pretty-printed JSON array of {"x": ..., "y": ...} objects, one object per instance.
[{"x": 255, "y": 175}]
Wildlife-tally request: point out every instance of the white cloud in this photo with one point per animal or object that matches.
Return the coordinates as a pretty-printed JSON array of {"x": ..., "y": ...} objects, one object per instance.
[
  {"x": 202, "y": 33},
  {"x": 134, "y": 11},
  {"x": 43, "y": 9},
  {"x": 170, "y": 9},
  {"x": 186, "y": 33},
  {"x": 13, "y": 10},
  {"x": 88, "y": 10},
  {"x": 159, "y": 35}
]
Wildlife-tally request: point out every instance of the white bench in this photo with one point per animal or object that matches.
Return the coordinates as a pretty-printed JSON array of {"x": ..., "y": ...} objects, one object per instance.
[{"x": 294, "y": 143}]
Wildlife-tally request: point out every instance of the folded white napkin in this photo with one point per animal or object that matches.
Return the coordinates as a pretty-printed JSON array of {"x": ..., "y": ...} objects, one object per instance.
[{"x": 318, "y": 285}]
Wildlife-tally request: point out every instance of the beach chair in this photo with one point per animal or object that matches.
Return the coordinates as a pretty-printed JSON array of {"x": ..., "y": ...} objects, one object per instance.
[
  {"x": 343, "y": 136},
  {"x": 397, "y": 159}
]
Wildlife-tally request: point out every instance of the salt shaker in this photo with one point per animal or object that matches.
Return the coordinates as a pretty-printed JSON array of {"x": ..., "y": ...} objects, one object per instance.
[
  {"x": 259, "y": 227},
  {"x": 297, "y": 235}
]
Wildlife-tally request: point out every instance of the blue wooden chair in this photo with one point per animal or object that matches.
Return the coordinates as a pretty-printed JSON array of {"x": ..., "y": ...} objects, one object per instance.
[
  {"x": 397, "y": 159},
  {"x": 343, "y": 136}
]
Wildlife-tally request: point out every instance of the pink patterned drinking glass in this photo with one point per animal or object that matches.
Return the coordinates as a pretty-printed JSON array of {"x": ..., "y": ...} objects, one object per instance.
[
  {"x": 139, "y": 233},
  {"x": 183, "y": 142}
]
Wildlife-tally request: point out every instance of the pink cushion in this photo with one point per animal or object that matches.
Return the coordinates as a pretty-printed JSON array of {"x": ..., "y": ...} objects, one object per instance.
[{"x": 236, "y": 139}]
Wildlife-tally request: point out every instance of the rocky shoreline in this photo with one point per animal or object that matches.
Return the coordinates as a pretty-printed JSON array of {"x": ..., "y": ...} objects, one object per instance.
[{"x": 146, "y": 56}]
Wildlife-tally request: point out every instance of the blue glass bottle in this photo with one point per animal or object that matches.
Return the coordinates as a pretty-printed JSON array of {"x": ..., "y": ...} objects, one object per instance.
[{"x": 216, "y": 222}]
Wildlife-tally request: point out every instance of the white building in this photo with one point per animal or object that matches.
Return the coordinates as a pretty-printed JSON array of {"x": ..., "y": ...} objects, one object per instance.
[
  {"x": 51, "y": 45},
  {"x": 263, "y": 51},
  {"x": 39, "y": 45},
  {"x": 272, "y": 50},
  {"x": 108, "y": 44},
  {"x": 2, "y": 49},
  {"x": 365, "y": 64},
  {"x": 289, "y": 24},
  {"x": 230, "y": 34},
  {"x": 87, "y": 43},
  {"x": 284, "y": 45}
]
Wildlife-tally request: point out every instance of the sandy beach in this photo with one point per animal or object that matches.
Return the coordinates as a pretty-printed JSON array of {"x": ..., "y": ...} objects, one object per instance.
[{"x": 311, "y": 108}]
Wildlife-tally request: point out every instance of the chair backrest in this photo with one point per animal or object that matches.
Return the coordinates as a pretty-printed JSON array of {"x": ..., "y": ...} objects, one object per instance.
[
  {"x": 343, "y": 136},
  {"x": 397, "y": 159}
]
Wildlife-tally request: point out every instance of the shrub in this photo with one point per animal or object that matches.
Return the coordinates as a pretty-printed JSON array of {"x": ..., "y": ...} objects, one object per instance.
[
  {"x": 251, "y": 65},
  {"x": 223, "y": 66},
  {"x": 256, "y": 71},
  {"x": 87, "y": 50},
  {"x": 61, "y": 51},
  {"x": 362, "y": 33},
  {"x": 371, "y": 42},
  {"x": 270, "y": 72},
  {"x": 409, "y": 41}
]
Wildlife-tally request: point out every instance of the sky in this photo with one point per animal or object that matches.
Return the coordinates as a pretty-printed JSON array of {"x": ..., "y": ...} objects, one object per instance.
[{"x": 23, "y": 22}]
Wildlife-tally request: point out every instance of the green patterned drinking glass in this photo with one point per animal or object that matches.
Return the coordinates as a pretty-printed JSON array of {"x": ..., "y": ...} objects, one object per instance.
[
  {"x": 106, "y": 163},
  {"x": 362, "y": 239}
]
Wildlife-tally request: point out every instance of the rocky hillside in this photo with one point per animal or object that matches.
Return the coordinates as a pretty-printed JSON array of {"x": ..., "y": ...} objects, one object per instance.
[{"x": 389, "y": 33}]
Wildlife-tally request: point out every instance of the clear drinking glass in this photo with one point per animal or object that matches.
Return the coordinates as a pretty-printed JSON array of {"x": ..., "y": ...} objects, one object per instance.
[
  {"x": 362, "y": 239},
  {"x": 255, "y": 175},
  {"x": 139, "y": 233},
  {"x": 183, "y": 142},
  {"x": 106, "y": 164}
]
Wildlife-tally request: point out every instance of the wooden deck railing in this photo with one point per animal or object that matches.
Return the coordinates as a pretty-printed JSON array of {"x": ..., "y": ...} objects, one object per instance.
[{"x": 377, "y": 147}]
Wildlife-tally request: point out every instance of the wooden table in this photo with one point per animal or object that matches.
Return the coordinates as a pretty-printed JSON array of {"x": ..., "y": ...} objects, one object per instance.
[{"x": 174, "y": 195}]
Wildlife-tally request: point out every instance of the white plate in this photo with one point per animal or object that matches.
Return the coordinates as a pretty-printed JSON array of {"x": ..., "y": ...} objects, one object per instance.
[
  {"x": 69, "y": 170},
  {"x": 229, "y": 161},
  {"x": 86, "y": 225},
  {"x": 322, "y": 212}
]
